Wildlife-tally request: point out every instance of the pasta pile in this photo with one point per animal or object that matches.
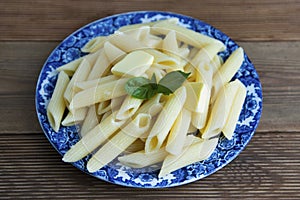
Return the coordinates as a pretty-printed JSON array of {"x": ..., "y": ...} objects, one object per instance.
[{"x": 176, "y": 129}]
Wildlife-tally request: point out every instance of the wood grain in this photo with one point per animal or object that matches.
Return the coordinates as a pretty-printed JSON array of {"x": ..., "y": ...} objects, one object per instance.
[
  {"x": 41, "y": 173},
  {"x": 276, "y": 63},
  {"x": 257, "y": 20},
  {"x": 268, "y": 30}
]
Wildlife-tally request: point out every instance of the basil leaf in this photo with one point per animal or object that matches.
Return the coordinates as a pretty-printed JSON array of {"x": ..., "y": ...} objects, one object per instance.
[
  {"x": 141, "y": 88},
  {"x": 171, "y": 82}
]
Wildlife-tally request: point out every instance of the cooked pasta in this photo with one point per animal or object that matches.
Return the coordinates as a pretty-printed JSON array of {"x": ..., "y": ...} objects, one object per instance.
[
  {"x": 56, "y": 106},
  {"x": 176, "y": 124},
  {"x": 165, "y": 120}
]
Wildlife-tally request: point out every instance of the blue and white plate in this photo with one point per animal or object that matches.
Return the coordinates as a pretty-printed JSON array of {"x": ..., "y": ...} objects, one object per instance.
[{"x": 116, "y": 173}]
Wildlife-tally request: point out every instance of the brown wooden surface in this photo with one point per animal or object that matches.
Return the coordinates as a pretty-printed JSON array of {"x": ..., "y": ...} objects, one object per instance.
[{"x": 269, "y": 168}]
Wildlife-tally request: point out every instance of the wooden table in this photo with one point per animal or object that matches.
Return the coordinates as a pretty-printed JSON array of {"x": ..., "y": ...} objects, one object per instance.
[{"x": 269, "y": 31}]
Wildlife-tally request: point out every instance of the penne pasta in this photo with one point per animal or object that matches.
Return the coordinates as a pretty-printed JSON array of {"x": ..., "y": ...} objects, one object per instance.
[
  {"x": 227, "y": 71},
  {"x": 129, "y": 106},
  {"x": 128, "y": 28},
  {"x": 81, "y": 74},
  {"x": 132, "y": 65},
  {"x": 121, "y": 41},
  {"x": 220, "y": 110},
  {"x": 163, "y": 59},
  {"x": 113, "y": 53},
  {"x": 170, "y": 43},
  {"x": 93, "y": 139},
  {"x": 207, "y": 53},
  {"x": 141, "y": 159},
  {"x": 235, "y": 110},
  {"x": 94, "y": 83},
  {"x": 117, "y": 144},
  {"x": 56, "y": 106},
  {"x": 74, "y": 117},
  {"x": 159, "y": 73},
  {"x": 153, "y": 106},
  {"x": 72, "y": 66},
  {"x": 104, "y": 107},
  {"x": 98, "y": 94},
  {"x": 178, "y": 132},
  {"x": 171, "y": 120},
  {"x": 185, "y": 35},
  {"x": 90, "y": 121},
  {"x": 194, "y": 153},
  {"x": 165, "y": 120},
  {"x": 94, "y": 44},
  {"x": 100, "y": 67}
]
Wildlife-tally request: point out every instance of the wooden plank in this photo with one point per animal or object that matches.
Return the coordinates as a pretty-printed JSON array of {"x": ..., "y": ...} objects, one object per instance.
[
  {"x": 30, "y": 166},
  {"x": 54, "y": 20},
  {"x": 278, "y": 67},
  {"x": 20, "y": 63}
]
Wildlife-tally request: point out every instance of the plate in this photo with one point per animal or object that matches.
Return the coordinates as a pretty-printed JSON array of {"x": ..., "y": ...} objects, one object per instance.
[{"x": 116, "y": 173}]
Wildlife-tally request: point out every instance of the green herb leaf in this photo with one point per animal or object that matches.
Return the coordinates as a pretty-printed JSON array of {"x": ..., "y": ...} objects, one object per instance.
[
  {"x": 171, "y": 82},
  {"x": 142, "y": 88}
]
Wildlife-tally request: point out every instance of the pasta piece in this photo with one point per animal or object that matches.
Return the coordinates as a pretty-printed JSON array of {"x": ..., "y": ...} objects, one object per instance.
[
  {"x": 128, "y": 107},
  {"x": 152, "y": 41},
  {"x": 165, "y": 120},
  {"x": 93, "y": 83},
  {"x": 194, "y": 153},
  {"x": 56, "y": 106},
  {"x": 71, "y": 67},
  {"x": 98, "y": 94},
  {"x": 134, "y": 64},
  {"x": 220, "y": 110},
  {"x": 234, "y": 113},
  {"x": 216, "y": 63},
  {"x": 128, "y": 28},
  {"x": 197, "y": 96},
  {"x": 162, "y": 58},
  {"x": 113, "y": 53},
  {"x": 119, "y": 142},
  {"x": 117, "y": 102},
  {"x": 74, "y": 117},
  {"x": 227, "y": 71},
  {"x": 178, "y": 132},
  {"x": 206, "y": 54},
  {"x": 159, "y": 73},
  {"x": 142, "y": 159},
  {"x": 143, "y": 35},
  {"x": 90, "y": 121},
  {"x": 80, "y": 74},
  {"x": 153, "y": 106},
  {"x": 185, "y": 35},
  {"x": 94, "y": 44},
  {"x": 199, "y": 117},
  {"x": 104, "y": 107},
  {"x": 170, "y": 43},
  {"x": 100, "y": 67},
  {"x": 126, "y": 42},
  {"x": 93, "y": 139}
]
